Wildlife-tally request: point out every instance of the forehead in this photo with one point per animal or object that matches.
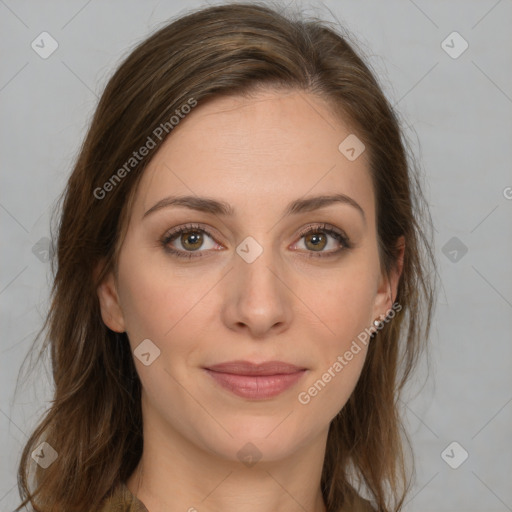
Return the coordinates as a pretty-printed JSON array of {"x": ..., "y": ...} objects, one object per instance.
[{"x": 264, "y": 151}]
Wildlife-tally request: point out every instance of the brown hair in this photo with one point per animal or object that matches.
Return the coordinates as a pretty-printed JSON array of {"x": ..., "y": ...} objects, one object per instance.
[{"x": 95, "y": 422}]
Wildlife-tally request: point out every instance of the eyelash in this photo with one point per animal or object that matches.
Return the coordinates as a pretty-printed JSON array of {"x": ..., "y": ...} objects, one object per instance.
[{"x": 339, "y": 235}]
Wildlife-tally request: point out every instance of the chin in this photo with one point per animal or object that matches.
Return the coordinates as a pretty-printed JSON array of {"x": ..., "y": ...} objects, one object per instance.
[{"x": 256, "y": 439}]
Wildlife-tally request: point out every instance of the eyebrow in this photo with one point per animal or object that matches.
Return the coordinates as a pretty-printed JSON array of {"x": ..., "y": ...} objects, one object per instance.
[{"x": 216, "y": 207}]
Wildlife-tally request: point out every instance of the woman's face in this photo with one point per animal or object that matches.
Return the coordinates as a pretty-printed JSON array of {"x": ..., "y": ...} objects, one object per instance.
[{"x": 249, "y": 285}]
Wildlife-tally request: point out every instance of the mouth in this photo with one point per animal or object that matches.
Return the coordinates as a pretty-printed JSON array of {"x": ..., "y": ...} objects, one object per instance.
[{"x": 256, "y": 381}]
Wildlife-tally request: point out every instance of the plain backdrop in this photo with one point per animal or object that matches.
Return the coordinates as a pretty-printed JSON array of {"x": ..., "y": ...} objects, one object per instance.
[{"x": 456, "y": 103}]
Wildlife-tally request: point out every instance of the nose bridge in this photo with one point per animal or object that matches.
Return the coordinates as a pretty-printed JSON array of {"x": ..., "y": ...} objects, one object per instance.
[
  {"x": 258, "y": 265},
  {"x": 258, "y": 297}
]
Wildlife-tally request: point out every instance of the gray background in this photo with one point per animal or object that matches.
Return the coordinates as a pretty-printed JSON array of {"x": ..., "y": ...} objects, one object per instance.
[{"x": 459, "y": 120}]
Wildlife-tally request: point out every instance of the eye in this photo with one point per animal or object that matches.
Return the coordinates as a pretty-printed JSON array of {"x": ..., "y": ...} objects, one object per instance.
[
  {"x": 316, "y": 238},
  {"x": 190, "y": 237}
]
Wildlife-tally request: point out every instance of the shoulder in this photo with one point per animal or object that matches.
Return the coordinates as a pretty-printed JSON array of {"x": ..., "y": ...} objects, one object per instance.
[{"x": 122, "y": 500}]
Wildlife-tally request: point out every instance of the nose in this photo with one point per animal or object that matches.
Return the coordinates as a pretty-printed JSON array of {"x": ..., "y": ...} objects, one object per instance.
[{"x": 258, "y": 298}]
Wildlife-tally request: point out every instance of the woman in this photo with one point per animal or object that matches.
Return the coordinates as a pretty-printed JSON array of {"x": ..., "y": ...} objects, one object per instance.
[{"x": 240, "y": 291}]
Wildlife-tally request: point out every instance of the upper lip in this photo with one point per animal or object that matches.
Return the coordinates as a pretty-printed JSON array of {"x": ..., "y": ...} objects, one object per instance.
[{"x": 249, "y": 368}]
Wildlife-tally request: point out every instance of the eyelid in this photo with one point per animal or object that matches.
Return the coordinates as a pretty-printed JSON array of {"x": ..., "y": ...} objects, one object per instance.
[
  {"x": 192, "y": 226},
  {"x": 330, "y": 229},
  {"x": 184, "y": 228}
]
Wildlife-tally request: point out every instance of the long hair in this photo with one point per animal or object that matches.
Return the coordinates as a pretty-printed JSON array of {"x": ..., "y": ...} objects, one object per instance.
[{"x": 94, "y": 422}]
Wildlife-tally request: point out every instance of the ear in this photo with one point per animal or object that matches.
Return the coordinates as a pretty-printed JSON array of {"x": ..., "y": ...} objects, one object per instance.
[
  {"x": 388, "y": 286},
  {"x": 111, "y": 311}
]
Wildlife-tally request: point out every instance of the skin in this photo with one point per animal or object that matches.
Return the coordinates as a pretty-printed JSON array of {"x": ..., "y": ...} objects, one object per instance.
[{"x": 258, "y": 155}]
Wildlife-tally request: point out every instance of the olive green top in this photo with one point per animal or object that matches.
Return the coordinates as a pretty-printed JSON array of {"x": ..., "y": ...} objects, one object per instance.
[{"x": 122, "y": 500}]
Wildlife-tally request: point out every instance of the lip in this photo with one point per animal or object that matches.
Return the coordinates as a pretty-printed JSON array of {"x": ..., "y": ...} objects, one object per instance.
[
  {"x": 249, "y": 368},
  {"x": 256, "y": 381}
]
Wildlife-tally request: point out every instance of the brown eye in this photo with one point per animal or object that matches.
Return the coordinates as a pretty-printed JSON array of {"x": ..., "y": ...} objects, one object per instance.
[
  {"x": 184, "y": 241},
  {"x": 318, "y": 237},
  {"x": 191, "y": 240},
  {"x": 316, "y": 241}
]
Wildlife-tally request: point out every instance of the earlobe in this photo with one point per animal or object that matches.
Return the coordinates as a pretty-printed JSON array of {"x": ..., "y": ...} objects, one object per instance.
[{"x": 111, "y": 311}]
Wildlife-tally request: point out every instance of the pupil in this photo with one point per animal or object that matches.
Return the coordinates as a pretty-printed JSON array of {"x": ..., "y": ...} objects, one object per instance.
[
  {"x": 316, "y": 239},
  {"x": 192, "y": 236}
]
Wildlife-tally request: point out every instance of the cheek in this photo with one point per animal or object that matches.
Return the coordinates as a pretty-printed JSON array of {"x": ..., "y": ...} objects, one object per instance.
[
  {"x": 345, "y": 308},
  {"x": 163, "y": 306},
  {"x": 151, "y": 298},
  {"x": 145, "y": 303}
]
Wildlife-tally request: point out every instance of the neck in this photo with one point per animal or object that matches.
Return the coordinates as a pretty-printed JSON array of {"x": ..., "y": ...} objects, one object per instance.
[{"x": 194, "y": 480}]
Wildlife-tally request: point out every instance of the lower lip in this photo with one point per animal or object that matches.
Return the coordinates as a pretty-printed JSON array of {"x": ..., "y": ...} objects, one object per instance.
[{"x": 256, "y": 386}]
